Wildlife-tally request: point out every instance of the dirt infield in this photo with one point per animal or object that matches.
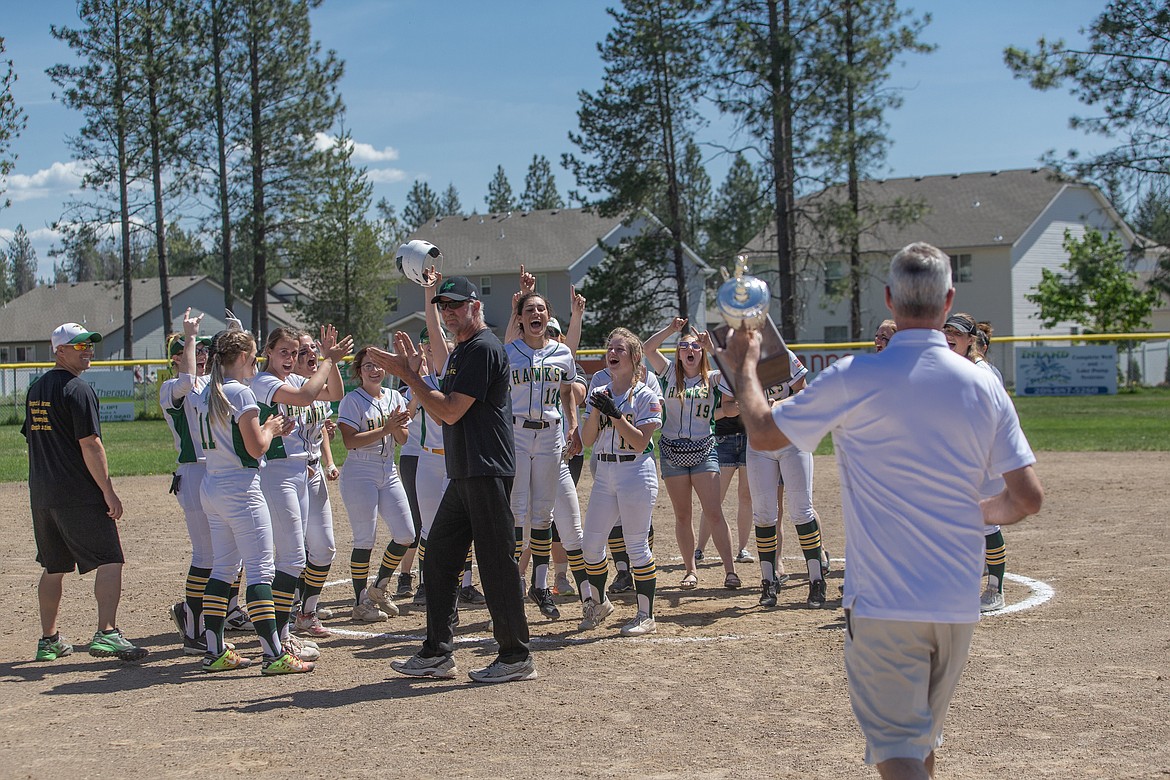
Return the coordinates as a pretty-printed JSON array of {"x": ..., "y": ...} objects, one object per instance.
[{"x": 1074, "y": 687}]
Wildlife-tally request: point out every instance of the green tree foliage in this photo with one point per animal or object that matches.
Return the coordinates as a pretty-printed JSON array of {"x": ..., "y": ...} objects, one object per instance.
[
  {"x": 540, "y": 186},
  {"x": 626, "y": 288},
  {"x": 1152, "y": 221},
  {"x": 500, "y": 197},
  {"x": 1095, "y": 290},
  {"x": 187, "y": 254},
  {"x": 337, "y": 253},
  {"x": 12, "y": 120},
  {"x": 422, "y": 205},
  {"x": 21, "y": 265},
  {"x": 1120, "y": 76},
  {"x": 82, "y": 258},
  {"x": 739, "y": 212},
  {"x": 694, "y": 197},
  {"x": 449, "y": 204}
]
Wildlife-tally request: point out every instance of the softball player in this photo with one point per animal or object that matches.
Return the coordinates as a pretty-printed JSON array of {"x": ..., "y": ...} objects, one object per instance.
[
  {"x": 883, "y": 334},
  {"x": 690, "y": 397},
  {"x": 620, "y": 425},
  {"x": 786, "y": 472},
  {"x": 285, "y": 478},
  {"x": 320, "y": 547},
  {"x": 235, "y": 441},
  {"x": 963, "y": 337},
  {"x": 189, "y": 358},
  {"x": 540, "y": 368},
  {"x": 372, "y": 418}
]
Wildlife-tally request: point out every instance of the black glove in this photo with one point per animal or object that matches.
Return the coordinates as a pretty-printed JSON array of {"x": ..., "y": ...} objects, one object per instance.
[{"x": 603, "y": 402}]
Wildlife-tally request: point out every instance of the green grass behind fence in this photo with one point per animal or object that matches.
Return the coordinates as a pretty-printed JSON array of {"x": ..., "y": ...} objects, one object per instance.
[{"x": 1127, "y": 422}]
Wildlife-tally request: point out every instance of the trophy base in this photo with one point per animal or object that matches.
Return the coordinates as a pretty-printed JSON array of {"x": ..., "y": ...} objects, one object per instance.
[{"x": 774, "y": 367}]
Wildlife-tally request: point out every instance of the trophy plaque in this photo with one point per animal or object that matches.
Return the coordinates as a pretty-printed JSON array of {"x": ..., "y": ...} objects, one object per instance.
[{"x": 743, "y": 302}]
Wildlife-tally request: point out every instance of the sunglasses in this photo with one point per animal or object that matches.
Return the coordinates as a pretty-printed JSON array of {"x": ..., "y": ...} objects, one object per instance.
[
  {"x": 689, "y": 345},
  {"x": 450, "y": 305},
  {"x": 82, "y": 346}
]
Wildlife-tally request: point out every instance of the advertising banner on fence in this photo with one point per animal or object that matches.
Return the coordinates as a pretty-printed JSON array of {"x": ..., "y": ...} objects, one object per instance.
[{"x": 1088, "y": 370}]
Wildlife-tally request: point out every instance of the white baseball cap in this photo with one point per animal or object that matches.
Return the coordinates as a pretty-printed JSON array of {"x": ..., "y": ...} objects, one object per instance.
[
  {"x": 72, "y": 333},
  {"x": 554, "y": 325}
]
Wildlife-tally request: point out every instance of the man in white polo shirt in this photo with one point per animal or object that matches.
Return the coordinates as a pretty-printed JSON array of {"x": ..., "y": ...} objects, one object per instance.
[{"x": 916, "y": 429}]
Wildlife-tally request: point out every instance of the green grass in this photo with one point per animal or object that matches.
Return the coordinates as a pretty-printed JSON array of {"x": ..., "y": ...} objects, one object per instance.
[{"x": 1131, "y": 421}]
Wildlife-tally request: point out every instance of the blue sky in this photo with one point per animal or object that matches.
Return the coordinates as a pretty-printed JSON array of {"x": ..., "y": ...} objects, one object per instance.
[{"x": 445, "y": 91}]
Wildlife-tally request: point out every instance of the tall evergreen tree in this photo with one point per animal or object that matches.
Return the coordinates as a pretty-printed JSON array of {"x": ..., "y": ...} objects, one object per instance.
[
  {"x": 540, "y": 186},
  {"x": 740, "y": 211},
  {"x": 449, "y": 205},
  {"x": 634, "y": 129},
  {"x": 499, "y": 197},
  {"x": 337, "y": 253},
  {"x": 22, "y": 262},
  {"x": 12, "y": 120},
  {"x": 422, "y": 205},
  {"x": 390, "y": 227}
]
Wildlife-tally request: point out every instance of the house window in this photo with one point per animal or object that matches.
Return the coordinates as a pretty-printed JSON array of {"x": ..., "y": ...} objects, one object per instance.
[
  {"x": 485, "y": 285},
  {"x": 836, "y": 333},
  {"x": 541, "y": 283},
  {"x": 961, "y": 270},
  {"x": 26, "y": 354},
  {"x": 3, "y": 354},
  {"x": 392, "y": 298},
  {"x": 834, "y": 274}
]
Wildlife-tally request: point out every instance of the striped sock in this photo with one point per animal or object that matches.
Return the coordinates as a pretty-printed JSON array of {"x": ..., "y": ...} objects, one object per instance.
[
  {"x": 597, "y": 573},
  {"x": 283, "y": 587},
  {"x": 541, "y": 545},
  {"x": 996, "y": 558},
  {"x": 359, "y": 571},
  {"x": 193, "y": 595},
  {"x": 809, "y": 536},
  {"x": 645, "y": 582},
  {"x": 617, "y": 549},
  {"x": 580, "y": 576},
  {"x": 216, "y": 595},
  {"x": 466, "y": 581},
  {"x": 313, "y": 578},
  {"x": 767, "y": 545},
  {"x": 390, "y": 560},
  {"x": 262, "y": 610},
  {"x": 519, "y": 548}
]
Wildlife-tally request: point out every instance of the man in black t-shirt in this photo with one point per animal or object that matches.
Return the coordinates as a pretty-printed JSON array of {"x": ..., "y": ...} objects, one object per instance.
[
  {"x": 74, "y": 506},
  {"x": 474, "y": 404}
]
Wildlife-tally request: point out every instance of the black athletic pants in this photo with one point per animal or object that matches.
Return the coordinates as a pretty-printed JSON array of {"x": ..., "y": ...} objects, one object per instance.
[{"x": 475, "y": 509}]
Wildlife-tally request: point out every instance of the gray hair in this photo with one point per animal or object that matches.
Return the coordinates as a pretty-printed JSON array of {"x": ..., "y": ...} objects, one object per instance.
[{"x": 920, "y": 277}]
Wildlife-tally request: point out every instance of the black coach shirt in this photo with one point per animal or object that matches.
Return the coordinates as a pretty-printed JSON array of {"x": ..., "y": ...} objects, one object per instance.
[
  {"x": 481, "y": 443},
  {"x": 61, "y": 410}
]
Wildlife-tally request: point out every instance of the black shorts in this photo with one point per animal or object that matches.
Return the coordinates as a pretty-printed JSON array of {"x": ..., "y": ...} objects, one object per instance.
[{"x": 82, "y": 537}]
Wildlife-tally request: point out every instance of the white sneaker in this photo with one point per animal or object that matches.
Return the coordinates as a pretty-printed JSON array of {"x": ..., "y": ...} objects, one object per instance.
[
  {"x": 641, "y": 624},
  {"x": 324, "y": 613},
  {"x": 498, "y": 672},
  {"x": 593, "y": 614},
  {"x": 382, "y": 599},
  {"x": 300, "y": 649},
  {"x": 991, "y": 600},
  {"x": 368, "y": 612},
  {"x": 442, "y": 667},
  {"x": 744, "y": 556}
]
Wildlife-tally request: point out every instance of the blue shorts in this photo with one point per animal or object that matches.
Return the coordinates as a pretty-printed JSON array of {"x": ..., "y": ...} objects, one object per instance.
[
  {"x": 711, "y": 464},
  {"x": 732, "y": 450}
]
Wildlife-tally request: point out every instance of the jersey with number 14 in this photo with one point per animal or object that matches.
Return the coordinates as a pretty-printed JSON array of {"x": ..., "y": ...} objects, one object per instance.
[
  {"x": 536, "y": 376},
  {"x": 222, "y": 442},
  {"x": 639, "y": 406}
]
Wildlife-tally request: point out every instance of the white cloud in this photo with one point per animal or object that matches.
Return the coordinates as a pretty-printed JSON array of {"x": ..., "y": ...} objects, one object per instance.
[
  {"x": 362, "y": 153},
  {"x": 57, "y": 179},
  {"x": 385, "y": 175}
]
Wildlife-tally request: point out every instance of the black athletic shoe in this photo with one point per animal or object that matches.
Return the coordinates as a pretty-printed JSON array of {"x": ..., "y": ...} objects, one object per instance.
[
  {"x": 543, "y": 599},
  {"x": 816, "y": 594},
  {"x": 471, "y": 595},
  {"x": 768, "y": 593},
  {"x": 623, "y": 582}
]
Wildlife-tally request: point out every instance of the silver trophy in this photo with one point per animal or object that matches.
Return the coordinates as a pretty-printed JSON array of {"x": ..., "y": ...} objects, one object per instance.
[{"x": 743, "y": 302}]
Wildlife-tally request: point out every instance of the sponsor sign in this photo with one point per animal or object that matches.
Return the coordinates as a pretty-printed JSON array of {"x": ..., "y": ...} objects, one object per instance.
[{"x": 1090, "y": 370}]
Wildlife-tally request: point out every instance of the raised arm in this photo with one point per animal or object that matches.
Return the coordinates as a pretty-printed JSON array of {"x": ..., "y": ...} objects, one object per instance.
[
  {"x": 311, "y": 390},
  {"x": 740, "y": 357},
  {"x": 573, "y": 334},
  {"x": 434, "y": 327},
  {"x": 405, "y": 363},
  {"x": 653, "y": 344}
]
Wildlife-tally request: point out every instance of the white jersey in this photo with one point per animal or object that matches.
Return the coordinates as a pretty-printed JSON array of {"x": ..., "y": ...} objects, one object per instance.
[
  {"x": 640, "y": 405},
  {"x": 363, "y": 412},
  {"x": 602, "y": 378},
  {"x": 294, "y": 446},
  {"x": 423, "y": 431},
  {"x": 313, "y": 418},
  {"x": 221, "y": 440},
  {"x": 536, "y": 377},
  {"x": 688, "y": 412},
  {"x": 181, "y": 416}
]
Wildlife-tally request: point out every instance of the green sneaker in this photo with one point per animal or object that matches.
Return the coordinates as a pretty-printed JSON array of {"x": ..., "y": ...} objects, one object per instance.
[
  {"x": 115, "y": 645},
  {"x": 229, "y": 660},
  {"x": 52, "y": 649},
  {"x": 286, "y": 664}
]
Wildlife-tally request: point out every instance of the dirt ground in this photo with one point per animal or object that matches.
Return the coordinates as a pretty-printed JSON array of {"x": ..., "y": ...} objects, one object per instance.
[{"x": 1075, "y": 686}]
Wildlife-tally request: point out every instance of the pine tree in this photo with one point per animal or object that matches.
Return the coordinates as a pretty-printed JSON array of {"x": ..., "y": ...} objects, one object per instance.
[
  {"x": 12, "y": 121},
  {"x": 540, "y": 186},
  {"x": 740, "y": 211},
  {"x": 499, "y": 197},
  {"x": 450, "y": 206},
  {"x": 422, "y": 205},
  {"x": 22, "y": 261}
]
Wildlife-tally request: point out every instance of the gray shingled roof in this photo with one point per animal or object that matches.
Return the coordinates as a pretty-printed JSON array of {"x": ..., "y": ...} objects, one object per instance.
[
  {"x": 990, "y": 208},
  {"x": 544, "y": 241}
]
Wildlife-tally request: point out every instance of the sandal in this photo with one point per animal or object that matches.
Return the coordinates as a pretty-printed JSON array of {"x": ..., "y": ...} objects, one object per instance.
[
  {"x": 731, "y": 581},
  {"x": 690, "y": 581}
]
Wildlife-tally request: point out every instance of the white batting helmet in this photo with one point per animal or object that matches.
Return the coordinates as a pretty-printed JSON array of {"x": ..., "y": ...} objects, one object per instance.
[{"x": 415, "y": 258}]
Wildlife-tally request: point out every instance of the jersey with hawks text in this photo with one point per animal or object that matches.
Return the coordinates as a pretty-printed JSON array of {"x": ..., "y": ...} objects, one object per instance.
[
  {"x": 640, "y": 405},
  {"x": 536, "y": 376},
  {"x": 363, "y": 412},
  {"x": 688, "y": 412}
]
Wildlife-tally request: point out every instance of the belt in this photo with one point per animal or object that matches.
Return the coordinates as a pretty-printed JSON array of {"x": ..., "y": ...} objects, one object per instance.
[
  {"x": 605, "y": 456},
  {"x": 314, "y": 461},
  {"x": 433, "y": 450},
  {"x": 534, "y": 424}
]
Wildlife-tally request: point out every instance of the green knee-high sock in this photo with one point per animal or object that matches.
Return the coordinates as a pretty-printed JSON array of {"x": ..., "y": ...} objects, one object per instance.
[
  {"x": 390, "y": 560},
  {"x": 617, "y": 549},
  {"x": 996, "y": 559},
  {"x": 359, "y": 571},
  {"x": 466, "y": 581},
  {"x": 421, "y": 556},
  {"x": 597, "y": 573},
  {"x": 541, "y": 545},
  {"x": 313, "y": 578},
  {"x": 193, "y": 596},
  {"x": 262, "y": 610},
  {"x": 234, "y": 595},
  {"x": 645, "y": 583},
  {"x": 519, "y": 548},
  {"x": 809, "y": 535},
  {"x": 767, "y": 544},
  {"x": 580, "y": 575},
  {"x": 215, "y": 608},
  {"x": 283, "y": 587}
]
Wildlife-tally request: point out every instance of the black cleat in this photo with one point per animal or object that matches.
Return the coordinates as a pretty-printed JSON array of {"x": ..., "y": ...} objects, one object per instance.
[
  {"x": 543, "y": 599},
  {"x": 623, "y": 582},
  {"x": 768, "y": 593},
  {"x": 816, "y": 594},
  {"x": 471, "y": 595}
]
